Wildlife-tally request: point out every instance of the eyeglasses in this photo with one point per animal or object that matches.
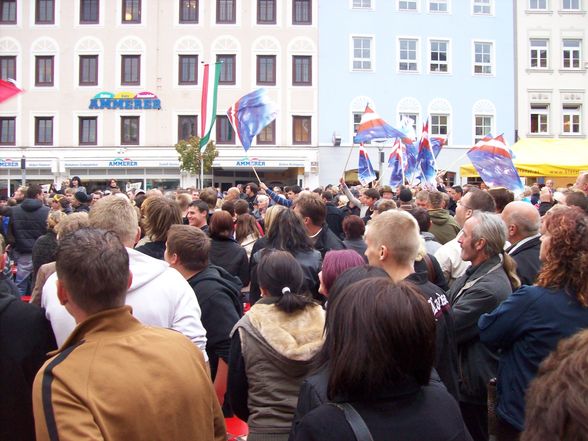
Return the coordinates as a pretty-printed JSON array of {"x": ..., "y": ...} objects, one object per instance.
[{"x": 463, "y": 205}]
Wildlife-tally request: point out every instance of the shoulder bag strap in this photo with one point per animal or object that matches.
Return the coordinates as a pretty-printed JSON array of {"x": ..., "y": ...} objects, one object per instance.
[
  {"x": 430, "y": 268},
  {"x": 358, "y": 426}
]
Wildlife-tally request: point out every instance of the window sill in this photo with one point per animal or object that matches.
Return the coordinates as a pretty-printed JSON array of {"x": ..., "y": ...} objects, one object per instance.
[
  {"x": 539, "y": 70},
  {"x": 539, "y": 135},
  {"x": 572, "y": 71},
  {"x": 571, "y": 12},
  {"x": 572, "y": 135},
  {"x": 539, "y": 12}
]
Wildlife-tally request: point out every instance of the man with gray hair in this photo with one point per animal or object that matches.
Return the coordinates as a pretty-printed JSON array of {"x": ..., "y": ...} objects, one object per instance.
[
  {"x": 158, "y": 294},
  {"x": 582, "y": 182},
  {"x": 486, "y": 283},
  {"x": 522, "y": 222}
]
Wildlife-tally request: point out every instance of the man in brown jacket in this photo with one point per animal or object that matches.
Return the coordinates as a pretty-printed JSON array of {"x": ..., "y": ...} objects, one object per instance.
[{"x": 115, "y": 378}]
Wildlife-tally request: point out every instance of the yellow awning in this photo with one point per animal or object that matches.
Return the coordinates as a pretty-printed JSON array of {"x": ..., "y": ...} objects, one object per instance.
[{"x": 545, "y": 157}]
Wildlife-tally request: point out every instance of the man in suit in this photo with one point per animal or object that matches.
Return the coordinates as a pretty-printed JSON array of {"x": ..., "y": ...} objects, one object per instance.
[{"x": 522, "y": 222}]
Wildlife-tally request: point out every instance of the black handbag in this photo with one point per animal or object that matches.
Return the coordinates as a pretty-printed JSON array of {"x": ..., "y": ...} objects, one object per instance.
[{"x": 358, "y": 426}]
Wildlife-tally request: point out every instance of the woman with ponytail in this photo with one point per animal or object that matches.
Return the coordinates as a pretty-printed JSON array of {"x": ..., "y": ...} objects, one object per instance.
[
  {"x": 272, "y": 347},
  {"x": 530, "y": 323}
]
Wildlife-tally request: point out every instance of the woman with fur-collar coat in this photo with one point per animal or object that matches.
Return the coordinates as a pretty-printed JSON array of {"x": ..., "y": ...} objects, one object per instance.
[{"x": 272, "y": 347}]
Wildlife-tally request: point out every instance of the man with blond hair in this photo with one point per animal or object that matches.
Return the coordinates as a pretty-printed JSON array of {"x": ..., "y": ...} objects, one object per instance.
[{"x": 159, "y": 295}]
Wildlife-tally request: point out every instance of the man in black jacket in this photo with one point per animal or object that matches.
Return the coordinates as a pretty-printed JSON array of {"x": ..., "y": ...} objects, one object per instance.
[
  {"x": 396, "y": 253},
  {"x": 217, "y": 291},
  {"x": 522, "y": 223},
  {"x": 27, "y": 223},
  {"x": 334, "y": 216},
  {"x": 312, "y": 209}
]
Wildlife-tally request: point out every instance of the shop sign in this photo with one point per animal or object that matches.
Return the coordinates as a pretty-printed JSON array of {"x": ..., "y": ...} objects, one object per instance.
[
  {"x": 9, "y": 163},
  {"x": 250, "y": 162},
  {"x": 122, "y": 162},
  {"x": 125, "y": 101}
]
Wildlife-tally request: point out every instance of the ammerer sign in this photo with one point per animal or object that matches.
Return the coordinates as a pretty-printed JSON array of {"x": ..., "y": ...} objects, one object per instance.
[{"x": 125, "y": 101}]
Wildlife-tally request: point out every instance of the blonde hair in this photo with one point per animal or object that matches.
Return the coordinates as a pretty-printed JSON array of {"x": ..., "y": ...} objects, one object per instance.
[
  {"x": 270, "y": 216},
  {"x": 71, "y": 223},
  {"x": 54, "y": 218},
  {"x": 403, "y": 248},
  {"x": 116, "y": 214},
  {"x": 184, "y": 200}
]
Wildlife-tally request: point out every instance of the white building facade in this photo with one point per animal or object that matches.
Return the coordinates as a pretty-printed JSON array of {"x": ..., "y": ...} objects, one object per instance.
[{"x": 112, "y": 85}]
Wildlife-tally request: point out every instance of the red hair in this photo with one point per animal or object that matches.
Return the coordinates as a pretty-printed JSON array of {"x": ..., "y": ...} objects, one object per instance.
[{"x": 337, "y": 261}]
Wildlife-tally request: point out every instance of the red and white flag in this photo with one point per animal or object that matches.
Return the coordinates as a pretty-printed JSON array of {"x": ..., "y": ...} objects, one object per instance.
[{"x": 8, "y": 90}]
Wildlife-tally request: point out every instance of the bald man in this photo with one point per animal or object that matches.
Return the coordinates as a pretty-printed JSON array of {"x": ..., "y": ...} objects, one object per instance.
[
  {"x": 582, "y": 182},
  {"x": 522, "y": 223}
]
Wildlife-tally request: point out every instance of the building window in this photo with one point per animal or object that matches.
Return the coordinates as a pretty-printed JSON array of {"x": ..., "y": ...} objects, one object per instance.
[
  {"x": 482, "y": 58},
  {"x": 266, "y": 70},
  {"x": 571, "y": 119},
  {"x": 267, "y": 134},
  {"x": 228, "y": 69},
  {"x": 131, "y": 11},
  {"x": 188, "y": 11},
  {"x": 301, "y": 129},
  {"x": 89, "y": 11},
  {"x": 302, "y": 12},
  {"x": 44, "y": 11},
  {"x": 407, "y": 5},
  {"x": 129, "y": 130},
  {"x": 266, "y": 11},
  {"x": 44, "y": 71},
  {"x": 538, "y": 5},
  {"x": 571, "y": 5},
  {"x": 483, "y": 126},
  {"x": 8, "y": 130},
  {"x": 439, "y": 50},
  {"x": 301, "y": 70},
  {"x": 88, "y": 70},
  {"x": 407, "y": 61},
  {"x": 438, "y": 6},
  {"x": 224, "y": 131},
  {"x": 188, "y": 69},
  {"x": 571, "y": 54},
  {"x": 362, "y": 53},
  {"x": 356, "y": 120},
  {"x": 88, "y": 129},
  {"x": 413, "y": 117},
  {"x": 362, "y": 4},
  {"x": 483, "y": 7},
  {"x": 8, "y": 11},
  {"x": 439, "y": 125},
  {"x": 539, "y": 119},
  {"x": 226, "y": 11},
  {"x": 539, "y": 52},
  {"x": 187, "y": 127},
  {"x": 43, "y": 130},
  {"x": 130, "y": 68},
  {"x": 8, "y": 68}
]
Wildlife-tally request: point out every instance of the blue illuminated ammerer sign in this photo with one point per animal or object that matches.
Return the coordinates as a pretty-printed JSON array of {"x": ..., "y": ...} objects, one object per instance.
[{"x": 125, "y": 101}]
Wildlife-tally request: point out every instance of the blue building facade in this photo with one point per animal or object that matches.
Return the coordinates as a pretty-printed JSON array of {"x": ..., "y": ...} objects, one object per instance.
[{"x": 451, "y": 61}]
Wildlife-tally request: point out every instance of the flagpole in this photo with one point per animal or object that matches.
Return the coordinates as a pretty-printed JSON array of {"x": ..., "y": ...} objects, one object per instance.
[
  {"x": 201, "y": 172},
  {"x": 400, "y": 144},
  {"x": 347, "y": 162}
]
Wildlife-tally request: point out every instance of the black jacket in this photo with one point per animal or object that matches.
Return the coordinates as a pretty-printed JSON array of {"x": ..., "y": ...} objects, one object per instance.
[
  {"x": 44, "y": 251},
  {"x": 326, "y": 241},
  {"x": 27, "y": 223},
  {"x": 334, "y": 219},
  {"x": 231, "y": 256},
  {"x": 527, "y": 259},
  {"x": 218, "y": 294},
  {"x": 25, "y": 338},
  {"x": 153, "y": 249}
]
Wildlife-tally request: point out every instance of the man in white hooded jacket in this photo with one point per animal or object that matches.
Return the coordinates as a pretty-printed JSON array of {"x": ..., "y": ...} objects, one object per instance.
[{"x": 158, "y": 294}]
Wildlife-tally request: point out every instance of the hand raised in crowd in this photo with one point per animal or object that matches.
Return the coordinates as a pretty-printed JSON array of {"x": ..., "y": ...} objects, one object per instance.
[{"x": 262, "y": 186}]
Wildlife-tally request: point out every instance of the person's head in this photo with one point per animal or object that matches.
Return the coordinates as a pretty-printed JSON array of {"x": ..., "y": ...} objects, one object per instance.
[
  {"x": 55, "y": 202},
  {"x": 405, "y": 196},
  {"x": 280, "y": 276},
  {"x": 386, "y": 192},
  {"x": 246, "y": 226},
  {"x": 34, "y": 191},
  {"x": 54, "y": 218},
  {"x": 455, "y": 192},
  {"x": 251, "y": 189},
  {"x": 334, "y": 263},
  {"x": 353, "y": 227},
  {"x": 71, "y": 223},
  {"x": 75, "y": 182},
  {"x": 556, "y": 407},
  {"x": 262, "y": 202},
  {"x": 502, "y": 196},
  {"x": 197, "y": 213},
  {"x": 241, "y": 207},
  {"x": 93, "y": 271},
  {"x": 293, "y": 191},
  {"x": 422, "y": 199},
  {"x": 229, "y": 207},
  {"x": 577, "y": 199},
  {"x": 287, "y": 232},
  {"x": 159, "y": 215},
  {"x": 221, "y": 224},
  {"x": 549, "y": 183},
  {"x": 352, "y": 275},
  {"x": 379, "y": 334},
  {"x": 116, "y": 214},
  {"x": 582, "y": 182},
  {"x": 311, "y": 208},
  {"x": 422, "y": 217},
  {"x": 112, "y": 184},
  {"x": 187, "y": 247},
  {"x": 436, "y": 200},
  {"x": 184, "y": 200},
  {"x": 564, "y": 251},
  {"x": 382, "y": 205},
  {"x": 369, "y": 197},
  {"x": 210, "y": 196},
  {"x": 474, "y": 200},
  {"x": 80, "y": 198},
  {"x": 388, "y": 249},
  {"x": 521, "y": 219},
  {"x": 233, "y": 194},
  {"x": 270, "y": 215}
]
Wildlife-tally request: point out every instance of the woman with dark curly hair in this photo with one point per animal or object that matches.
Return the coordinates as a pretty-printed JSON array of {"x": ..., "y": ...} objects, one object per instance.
[{"x": 528, "y": 325}]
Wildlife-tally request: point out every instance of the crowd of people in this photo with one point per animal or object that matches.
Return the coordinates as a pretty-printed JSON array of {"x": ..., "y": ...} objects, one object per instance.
[{"x": 338, "y": 313}]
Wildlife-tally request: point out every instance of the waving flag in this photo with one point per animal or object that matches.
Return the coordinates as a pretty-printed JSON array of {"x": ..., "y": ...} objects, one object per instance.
[
  {"x": 250, "y": 114},
  {"x": 365, "y": 171},
  {"x": 397, "y": 165},
  {"x": 412, "y": 169},
  {"x": 7, "y": 90},
  {"x": 426, "y": 158},
  {"x": 492, "y": 159},
  {"x": 437, "y": 144},
  {"x": 208, "y": 102},
  {"x": 406, "y": 126},
  {"x": 372, "y": 127}
]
